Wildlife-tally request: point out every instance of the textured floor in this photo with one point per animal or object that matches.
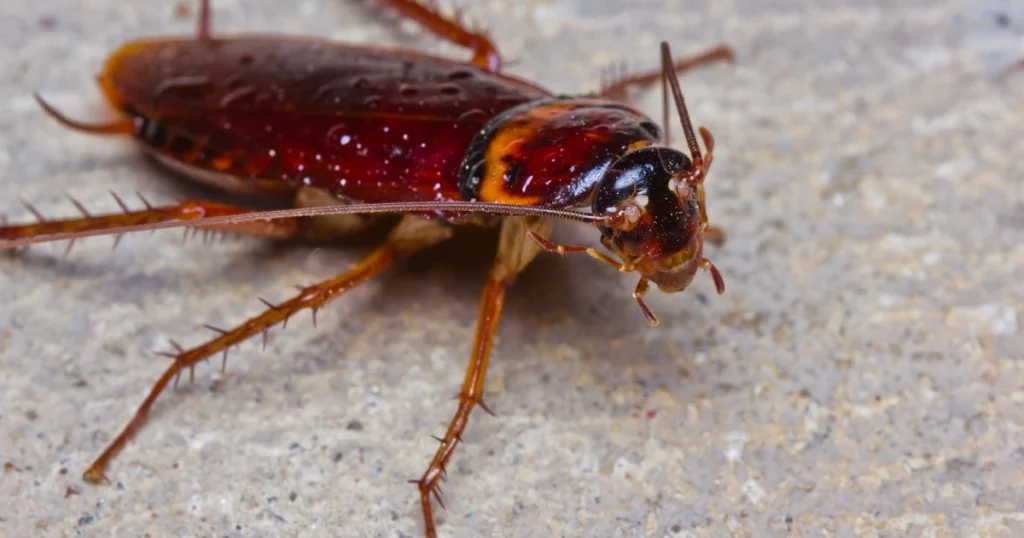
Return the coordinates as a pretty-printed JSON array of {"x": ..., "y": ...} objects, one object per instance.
[{"x": 863, "y": 375}]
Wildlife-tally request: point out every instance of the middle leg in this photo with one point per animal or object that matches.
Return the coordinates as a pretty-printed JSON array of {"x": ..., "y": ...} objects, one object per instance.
[{"x": 515, "y": 252}]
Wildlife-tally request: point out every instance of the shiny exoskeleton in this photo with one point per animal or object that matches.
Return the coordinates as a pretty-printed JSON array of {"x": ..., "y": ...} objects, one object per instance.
[{"x": 345, "y": 132}]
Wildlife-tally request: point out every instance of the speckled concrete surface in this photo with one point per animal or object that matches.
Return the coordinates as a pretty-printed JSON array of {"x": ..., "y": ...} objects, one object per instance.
[{"x": 863, "y": 375}]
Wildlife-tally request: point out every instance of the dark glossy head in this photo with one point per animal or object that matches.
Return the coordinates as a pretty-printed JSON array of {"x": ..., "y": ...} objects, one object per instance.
[{"x": 655, "y": 196}]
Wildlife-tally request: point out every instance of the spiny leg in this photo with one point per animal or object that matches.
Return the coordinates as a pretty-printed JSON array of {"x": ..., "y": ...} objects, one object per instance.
[
  {"x": 514, "y": 254},
  {"x": 108, "y": 224},
  {"x": 410, "y": 235},
  {"x": 485, "y": 53}
]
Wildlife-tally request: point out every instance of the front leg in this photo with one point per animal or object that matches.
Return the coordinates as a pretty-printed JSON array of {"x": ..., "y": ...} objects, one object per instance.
[{"x": 514, "y": 253}]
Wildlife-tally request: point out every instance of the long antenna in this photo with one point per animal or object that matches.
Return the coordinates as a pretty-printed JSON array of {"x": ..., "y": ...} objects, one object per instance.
[
  {"x": 14, "y": 239},
  {"x": 664, "y": 99},
  {"x": 669, "y": 72}
]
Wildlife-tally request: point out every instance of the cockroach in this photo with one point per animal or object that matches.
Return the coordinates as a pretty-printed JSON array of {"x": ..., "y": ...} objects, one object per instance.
[{"x": 349, "y": 133}]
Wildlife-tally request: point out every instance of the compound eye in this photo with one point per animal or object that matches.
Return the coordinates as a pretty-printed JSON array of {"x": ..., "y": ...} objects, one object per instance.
[
  {"x": 681, "y": 187},
  {"x": 627, "y": 215}
]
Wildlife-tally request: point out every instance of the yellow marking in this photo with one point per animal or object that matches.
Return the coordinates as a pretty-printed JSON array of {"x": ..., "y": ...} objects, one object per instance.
[
  {"x": 493, "y": 187},
  {"x": 507, "y": 141},
  {"x": 638, "y": 144},
  {"x": 221, "y": 164},
  {"x": 517, "y": 131}
]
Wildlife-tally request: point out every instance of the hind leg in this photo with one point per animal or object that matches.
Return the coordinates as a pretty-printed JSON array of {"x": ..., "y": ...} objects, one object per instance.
[
  {"x": 115, "y": 224},
  {"x": 485, "y": 53},
  {"x": 410, "y": 235}
]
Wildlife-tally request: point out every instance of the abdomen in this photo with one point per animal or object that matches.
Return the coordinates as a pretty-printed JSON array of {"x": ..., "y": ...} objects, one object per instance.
[{"x": 274, "y": 114}]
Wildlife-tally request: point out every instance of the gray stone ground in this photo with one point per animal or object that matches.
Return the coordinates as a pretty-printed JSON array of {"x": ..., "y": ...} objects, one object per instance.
[{"x": 863, "y": 375}]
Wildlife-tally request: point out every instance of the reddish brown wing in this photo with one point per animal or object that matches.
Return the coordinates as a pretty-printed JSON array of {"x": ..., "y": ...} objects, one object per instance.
[{"x": 364, "y": 124}]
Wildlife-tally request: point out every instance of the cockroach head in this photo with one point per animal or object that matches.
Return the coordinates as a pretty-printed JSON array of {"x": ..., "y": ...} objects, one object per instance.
[
  {"x": 653, "y": 202},
  {"x": 654, "y": 199}
]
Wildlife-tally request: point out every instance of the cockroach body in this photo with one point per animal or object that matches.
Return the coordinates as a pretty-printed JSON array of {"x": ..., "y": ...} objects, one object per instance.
[{"x": 347, "y": 133}]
